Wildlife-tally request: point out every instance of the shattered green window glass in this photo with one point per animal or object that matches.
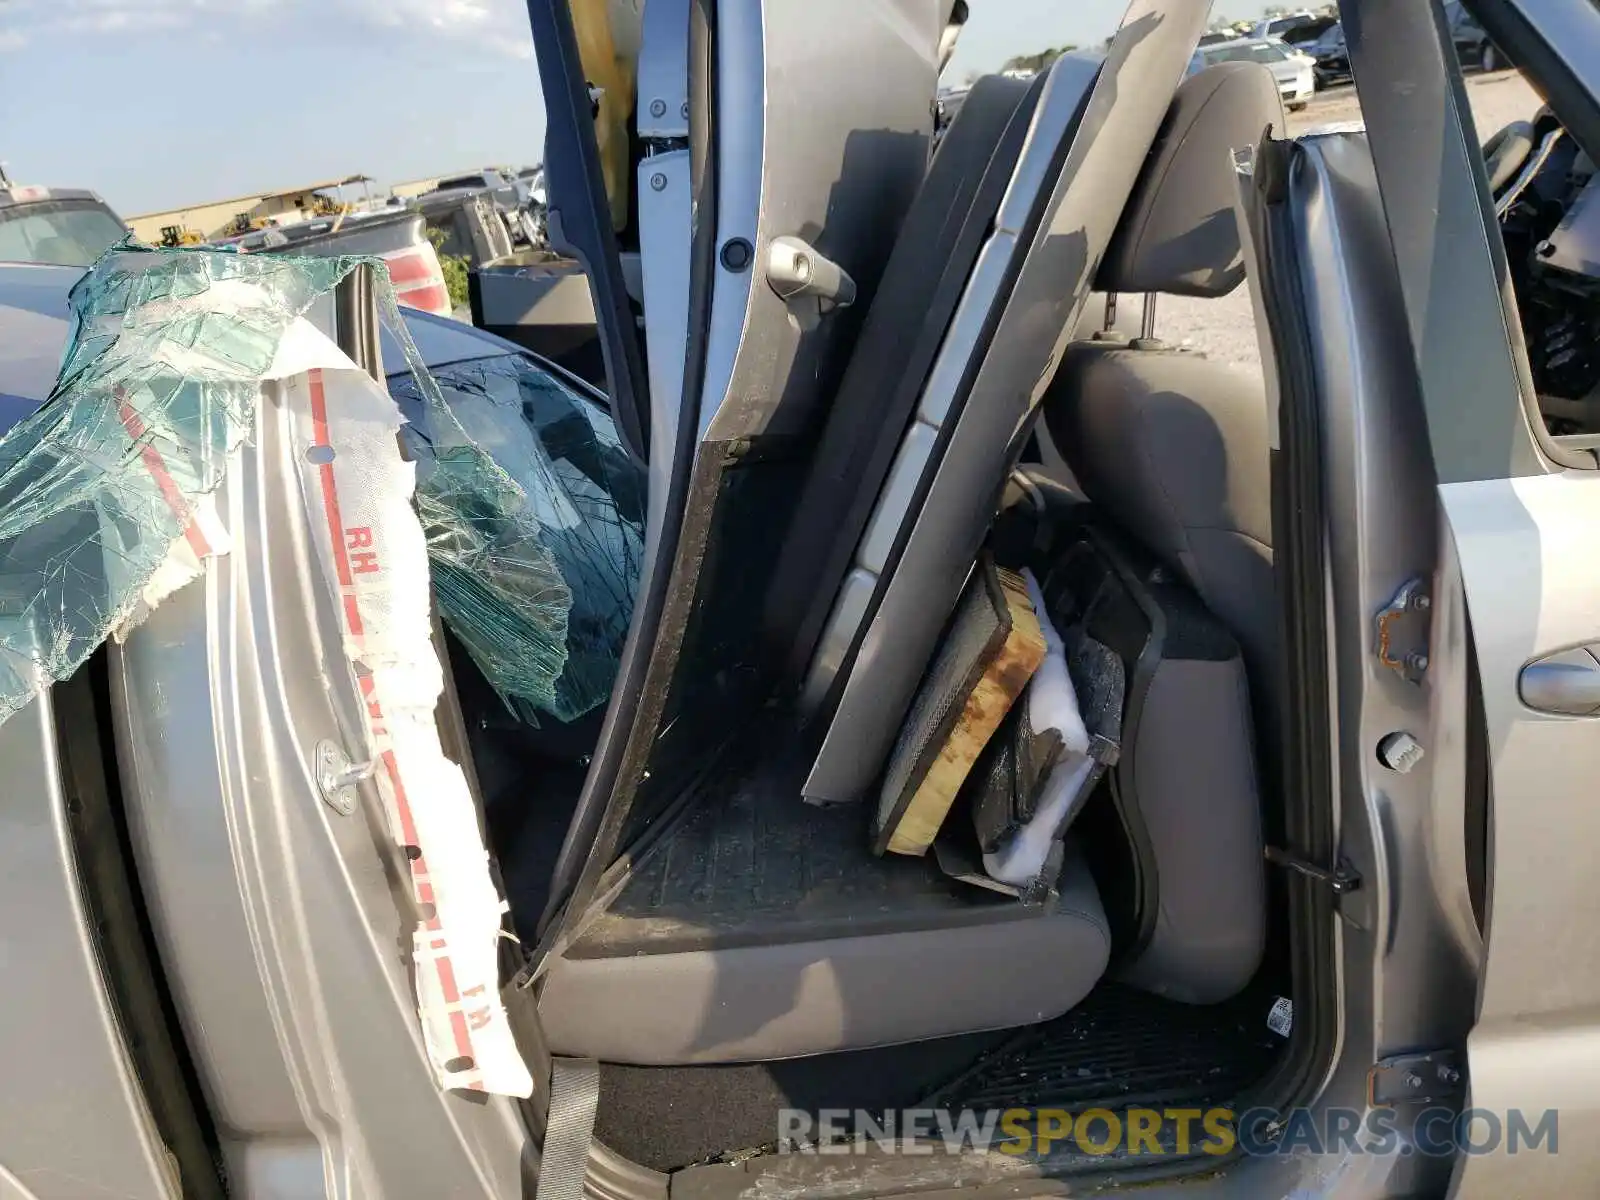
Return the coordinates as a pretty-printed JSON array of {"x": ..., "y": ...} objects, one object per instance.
[
  {"x": 532, "y": 510},
  {"x": 537, "y": 581},
  {"x": 158, "y": 383}
]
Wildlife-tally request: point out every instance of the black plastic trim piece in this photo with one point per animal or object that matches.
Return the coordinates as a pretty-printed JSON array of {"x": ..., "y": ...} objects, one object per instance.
[
  {"x": 1124, "y": 776},
  {"x": 356, "y": 320},
  {"x": 1480, "y": 788},
  {"x": 579, "y": 215}
]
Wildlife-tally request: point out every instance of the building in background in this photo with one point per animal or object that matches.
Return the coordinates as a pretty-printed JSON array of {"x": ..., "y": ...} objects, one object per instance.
[
  {"x": 241, "y": 214},
  {"x": 413, "y": 188}
]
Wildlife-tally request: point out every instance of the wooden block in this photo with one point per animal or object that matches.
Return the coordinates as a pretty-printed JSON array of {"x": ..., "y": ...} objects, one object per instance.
[{"x": 917, "y": 800}]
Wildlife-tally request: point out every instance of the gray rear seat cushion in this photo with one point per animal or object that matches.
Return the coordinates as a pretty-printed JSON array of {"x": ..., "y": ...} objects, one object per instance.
[
  {"x": 1194, "y": 766},
  {"x": 1175, "y": 449},
  {"x": 802, "y": 998}
]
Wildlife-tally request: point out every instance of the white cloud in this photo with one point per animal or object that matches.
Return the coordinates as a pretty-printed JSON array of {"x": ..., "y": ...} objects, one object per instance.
[
  {"x": 495, "y": 26},
  {"x": 500, "y": 26}
]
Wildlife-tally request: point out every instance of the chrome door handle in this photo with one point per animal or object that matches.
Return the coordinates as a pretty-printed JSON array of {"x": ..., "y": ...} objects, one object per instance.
[{"x": 1567, "y": 683}]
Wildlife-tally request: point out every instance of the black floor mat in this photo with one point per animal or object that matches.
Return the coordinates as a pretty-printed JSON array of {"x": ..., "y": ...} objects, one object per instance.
[
  {"x": 1119, "y": 1049},
  {"x": 669, "y": 1117},
  {"x": 757, "y": 865},
  {"x": 1123, "y": 1048}
]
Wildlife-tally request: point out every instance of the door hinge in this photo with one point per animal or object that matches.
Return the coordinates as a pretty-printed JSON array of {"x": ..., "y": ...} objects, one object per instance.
[
  {"x": 1428, "y": 1078},
  {"x": 1340, "y": 880}
]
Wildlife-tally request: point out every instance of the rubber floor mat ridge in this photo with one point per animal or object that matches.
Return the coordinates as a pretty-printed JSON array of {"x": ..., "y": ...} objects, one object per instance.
[{"x": 1123, "y": 1048}]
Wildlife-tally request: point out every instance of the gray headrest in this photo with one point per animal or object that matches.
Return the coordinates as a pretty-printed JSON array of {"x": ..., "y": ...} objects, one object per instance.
[{"x": 1178, "y": 233}]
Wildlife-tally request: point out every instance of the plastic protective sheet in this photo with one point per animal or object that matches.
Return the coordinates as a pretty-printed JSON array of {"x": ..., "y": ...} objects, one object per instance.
[{"x": 534, "y": 567}]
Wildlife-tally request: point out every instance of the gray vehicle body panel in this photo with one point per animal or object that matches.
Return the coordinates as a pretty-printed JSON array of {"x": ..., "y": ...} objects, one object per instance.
[
  {"x": 73, "y": 1118},
  {"x": 793, "y": 161}
]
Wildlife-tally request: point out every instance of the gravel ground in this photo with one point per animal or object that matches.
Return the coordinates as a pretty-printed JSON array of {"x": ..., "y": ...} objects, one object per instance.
[{"x": 1225, "y": 328}]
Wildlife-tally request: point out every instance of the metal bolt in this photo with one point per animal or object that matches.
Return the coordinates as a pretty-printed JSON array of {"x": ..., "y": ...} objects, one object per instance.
[
  {"x": 337, "y": 777},
  {"x": 348, "y": 776},
  {"x": 658, "y": 108},
  {"x": 1413, "y": 1080},
  {"x": 1545, "y": 249},
  {"x": 1417, "y": 661},
  {"x": 1422, "y": 602},
  {"x": 683, "y": 110},
  {"x": 658, "y": 181},
  {"x": 1448, "y": 1074}
]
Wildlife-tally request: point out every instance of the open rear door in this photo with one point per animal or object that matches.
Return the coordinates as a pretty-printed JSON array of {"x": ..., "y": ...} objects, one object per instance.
[{"x": 780, "y": 138}]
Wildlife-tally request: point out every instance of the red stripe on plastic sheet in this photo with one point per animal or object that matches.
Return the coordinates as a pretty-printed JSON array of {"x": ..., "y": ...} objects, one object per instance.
[
  {"x": 165, "y": 483},
  {"x": 421, "y": 886},
  {"x": 330, "y": 505}
]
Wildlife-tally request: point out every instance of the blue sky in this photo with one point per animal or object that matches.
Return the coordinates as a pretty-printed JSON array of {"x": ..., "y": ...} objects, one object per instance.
[{"x": 159, "y": 103}]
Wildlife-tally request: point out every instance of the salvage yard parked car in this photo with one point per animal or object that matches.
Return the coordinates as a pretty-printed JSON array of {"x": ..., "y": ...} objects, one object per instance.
[
  {"x": 510, "y": 196},
  {"x": 1282, "y": 25},
  {"x": 1282, "y": 686},
  {"x": 1473, "y": 45},
  {"x": 1332, "y": 57},
  {"x": 507, "y": 191},
  {"x": 1290, "y": 66},
  {"x": 70, "y": 226},
  {"x": 399, "y": 238}
]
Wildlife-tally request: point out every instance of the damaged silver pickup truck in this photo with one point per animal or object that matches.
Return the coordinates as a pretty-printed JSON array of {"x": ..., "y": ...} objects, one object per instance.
[{"x": 907, "y": 737}]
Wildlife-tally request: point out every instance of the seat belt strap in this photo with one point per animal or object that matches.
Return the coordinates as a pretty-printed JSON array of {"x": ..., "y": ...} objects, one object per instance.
[{"x": 569, "y": 1128}]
